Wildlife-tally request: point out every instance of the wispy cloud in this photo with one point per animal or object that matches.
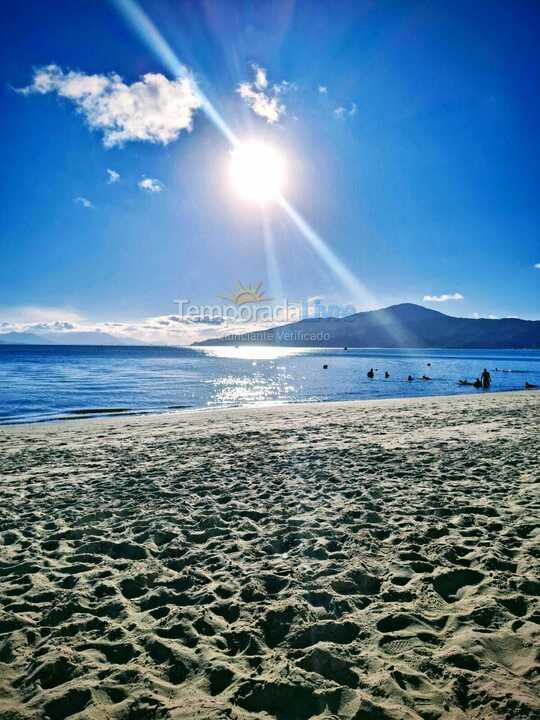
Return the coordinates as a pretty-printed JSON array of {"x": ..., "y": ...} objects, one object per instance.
[
  {"x": 151, "y": 185},
  {"x": 113, "y": 176},
  {"x": 443, "y": 298},
  {"x": 85, "y": 202},
  {"x": 153, "y": 109},
  {"x": 537, "y": 266},
  {"x": 39, "y": 313},
  {"x": 342, "y": 112},
  {"x": 323, "y": 89},
  {"x": 262, "y": 99}
]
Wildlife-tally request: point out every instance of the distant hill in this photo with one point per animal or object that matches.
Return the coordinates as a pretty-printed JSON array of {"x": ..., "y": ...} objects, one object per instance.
[
  {"x": 65, "y": 338},
  {"x": 22, "y": 338},
  {"x": 89, "y": 338},
  {"x": 398, "y": 326}
]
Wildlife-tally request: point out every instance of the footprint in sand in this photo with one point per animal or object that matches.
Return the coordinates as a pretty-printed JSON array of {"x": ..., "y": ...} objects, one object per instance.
[{"x": 448, "y": 584}]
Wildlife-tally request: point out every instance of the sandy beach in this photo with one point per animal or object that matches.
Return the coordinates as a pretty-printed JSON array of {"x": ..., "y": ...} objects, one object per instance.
[{"x": 372, "y": 560}]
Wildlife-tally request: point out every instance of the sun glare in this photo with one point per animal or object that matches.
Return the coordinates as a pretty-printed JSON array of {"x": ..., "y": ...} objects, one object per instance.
[{"x": 257, "y": 172}]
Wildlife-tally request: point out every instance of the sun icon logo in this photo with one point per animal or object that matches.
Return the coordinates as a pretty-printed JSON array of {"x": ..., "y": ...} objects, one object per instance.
[{"x": 246, "y": 294}]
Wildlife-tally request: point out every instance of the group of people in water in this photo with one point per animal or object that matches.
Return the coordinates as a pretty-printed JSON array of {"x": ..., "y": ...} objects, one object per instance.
[
  {"x": 371, "y": 374},
  {"x": 484, "y": 381}
]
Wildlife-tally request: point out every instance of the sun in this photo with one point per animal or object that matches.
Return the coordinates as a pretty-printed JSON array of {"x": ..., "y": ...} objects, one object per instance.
[{"x": 257, "y": 172}]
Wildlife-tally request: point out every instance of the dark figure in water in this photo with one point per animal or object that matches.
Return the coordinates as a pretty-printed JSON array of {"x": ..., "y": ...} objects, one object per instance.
[
  {"x": 371, "y": 374},
  {"x": 426, "y": 377},
  {"x": 477, "y": 383},
  {"x": 410, "y": 378},
  {"x": 530, "y": 386},
  {"x": 386, "y": 374},
  {"x": 345, "y": 348},
  {"x": 325, "y": 367},
  {"x": 486, "y": 379}
]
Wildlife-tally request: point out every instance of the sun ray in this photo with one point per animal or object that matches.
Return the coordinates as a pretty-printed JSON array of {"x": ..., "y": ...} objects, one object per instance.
[
  {"x": 359, "y": 292},
  {"x": 274, "y": 275},
  {"x": 149, "y": 33}
]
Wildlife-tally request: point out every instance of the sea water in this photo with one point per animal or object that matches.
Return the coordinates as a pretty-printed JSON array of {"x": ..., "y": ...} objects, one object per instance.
[{"x": 55, "y": 382}]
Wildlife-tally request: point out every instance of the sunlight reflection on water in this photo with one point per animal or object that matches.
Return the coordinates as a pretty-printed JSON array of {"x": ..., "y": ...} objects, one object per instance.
[
  {"x": 252, "y": 352},
  {"x": 232, "y": 390}
]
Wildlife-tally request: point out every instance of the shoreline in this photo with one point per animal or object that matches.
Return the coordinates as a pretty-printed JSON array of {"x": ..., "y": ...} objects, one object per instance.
[
  {"x": 91, "y": 415},
  {"x": 352, "y": 559}
]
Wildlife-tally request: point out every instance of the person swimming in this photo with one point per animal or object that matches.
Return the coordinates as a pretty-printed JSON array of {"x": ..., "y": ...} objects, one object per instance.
[
  {"x": 371, "y": 374},
  {"x": 477, "y": 383},
  {"x": 410, "y": 378},
  {"x": 386, "y": 374},
  {"x": 530, "y": 386},
  {"x": 426, "y": 377},
  {"x": 325, "y": 367}
]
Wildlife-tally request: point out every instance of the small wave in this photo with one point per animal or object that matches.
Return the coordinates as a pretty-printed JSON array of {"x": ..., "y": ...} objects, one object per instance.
[{"x": 97, "y": 411}]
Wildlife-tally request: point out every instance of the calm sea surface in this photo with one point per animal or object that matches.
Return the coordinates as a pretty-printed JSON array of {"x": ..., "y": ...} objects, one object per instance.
[{"x": 56, "y": 382}]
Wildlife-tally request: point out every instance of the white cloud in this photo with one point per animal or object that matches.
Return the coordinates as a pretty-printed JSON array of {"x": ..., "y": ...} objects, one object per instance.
[
  {"x": 263, "y": 101},
  {"x": 477, "y": 316},
  {"x": 153, "y": 109},
  {"x": 443, "y": 298},
  {"x": 151, "y": 185},
  {"x": 537, "y": 266},
  {"x": 323, "y": 89},
  {"x": 85, "y": 202},
  {"x": 261, "y": 81},
  {"x": 39, "y": 313},
  {"x": 283, "y": 87},
  {"x": 342, "y": 112},
  {"x": 113, "y": 176}
]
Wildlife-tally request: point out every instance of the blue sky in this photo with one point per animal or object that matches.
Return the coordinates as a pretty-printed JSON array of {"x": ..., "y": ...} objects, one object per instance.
[{"x": 408, "y": 131}]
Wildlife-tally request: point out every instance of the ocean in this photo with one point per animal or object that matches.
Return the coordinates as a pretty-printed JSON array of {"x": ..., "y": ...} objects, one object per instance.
[{"x": 39, "y": 383}]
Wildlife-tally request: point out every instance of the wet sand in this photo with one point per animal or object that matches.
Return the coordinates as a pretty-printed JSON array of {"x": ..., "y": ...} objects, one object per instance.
[{"x": 367, "y": 560}]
